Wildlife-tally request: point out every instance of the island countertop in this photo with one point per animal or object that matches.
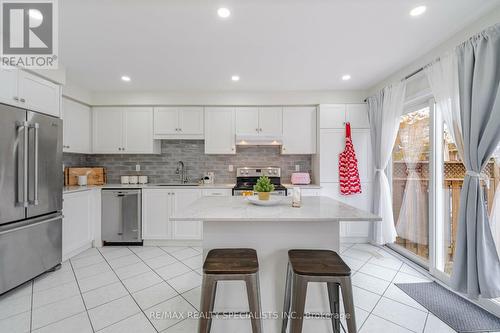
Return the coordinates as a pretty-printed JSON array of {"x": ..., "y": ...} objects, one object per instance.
[{"x": 238, "y": 209}]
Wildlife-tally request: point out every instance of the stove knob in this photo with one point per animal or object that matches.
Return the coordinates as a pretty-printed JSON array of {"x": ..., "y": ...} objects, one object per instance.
[
  {"x": 246, "y": 172},
  {"x": 241, "y": 171}
]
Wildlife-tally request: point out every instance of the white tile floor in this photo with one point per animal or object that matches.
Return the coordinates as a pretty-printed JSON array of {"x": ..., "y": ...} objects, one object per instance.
[{"x": 113, "y": 289}]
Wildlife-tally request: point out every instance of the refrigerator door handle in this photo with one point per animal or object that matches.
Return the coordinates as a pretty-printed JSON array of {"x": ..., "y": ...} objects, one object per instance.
[
  {"x": 121, "y": 215},
  {"x": 25, "y": 226},
  {"x": 35, "y": 127},
  {"x": 23, "y": 126}
]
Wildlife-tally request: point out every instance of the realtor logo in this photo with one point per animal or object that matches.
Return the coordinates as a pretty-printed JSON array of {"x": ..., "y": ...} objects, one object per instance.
[{"x": 29, "y": 34}]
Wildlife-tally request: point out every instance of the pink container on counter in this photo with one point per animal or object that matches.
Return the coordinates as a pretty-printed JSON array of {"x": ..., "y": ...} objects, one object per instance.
[{"x": 301, "y": 178}]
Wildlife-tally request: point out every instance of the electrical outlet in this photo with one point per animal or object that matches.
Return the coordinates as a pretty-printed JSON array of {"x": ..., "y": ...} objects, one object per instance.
[
  {"x": 297, "y": 167},
  {"x": 230, "y": 168},
  {"x": 137, "y": 167}
]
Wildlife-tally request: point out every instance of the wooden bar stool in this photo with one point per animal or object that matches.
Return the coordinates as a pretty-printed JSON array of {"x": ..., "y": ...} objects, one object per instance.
[
  {"x": 306, "y": 266},
  {"x": 230, "y": 264}
]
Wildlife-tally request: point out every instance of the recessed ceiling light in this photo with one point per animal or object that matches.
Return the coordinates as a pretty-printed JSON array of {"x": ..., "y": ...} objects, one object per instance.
[
  {"x": 235, "y": 78},
  {"x": 417, "y": 11},
  {"x": 346, "y": 77},
  {"x": 223, "y": 12},
  {"x": 126, "y": 78}
]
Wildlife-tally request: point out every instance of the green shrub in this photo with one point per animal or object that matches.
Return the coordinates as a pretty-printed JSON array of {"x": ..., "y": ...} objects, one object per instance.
[{"x": 263, "y": 185}]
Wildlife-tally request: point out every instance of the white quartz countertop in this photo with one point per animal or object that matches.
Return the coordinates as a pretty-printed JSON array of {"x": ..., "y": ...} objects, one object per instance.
[
  {"x": 69, "y": 189},
  {"x": 238, "y": 209}
]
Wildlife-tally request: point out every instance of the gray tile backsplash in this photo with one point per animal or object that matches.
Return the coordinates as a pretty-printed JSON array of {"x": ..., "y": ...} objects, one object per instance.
[{"x": 161, "y": 167}]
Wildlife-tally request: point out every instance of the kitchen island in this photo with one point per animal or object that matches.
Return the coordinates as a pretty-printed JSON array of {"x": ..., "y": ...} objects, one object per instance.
[{"x": 272, "y": 231}]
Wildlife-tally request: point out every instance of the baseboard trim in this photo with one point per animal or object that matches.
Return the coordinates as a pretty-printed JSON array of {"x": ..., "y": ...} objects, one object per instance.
[
  {"x": 354, "y": 240},
  {"x": 171, "y": 242},
  {"x": 77, "y": 251}
]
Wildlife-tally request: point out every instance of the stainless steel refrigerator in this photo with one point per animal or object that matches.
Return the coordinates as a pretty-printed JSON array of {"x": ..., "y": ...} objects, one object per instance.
[{"x": 31, "y": 185}]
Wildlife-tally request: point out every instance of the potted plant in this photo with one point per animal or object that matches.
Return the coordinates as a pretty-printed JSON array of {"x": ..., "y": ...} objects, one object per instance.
[{"x": 263, "y": 187}]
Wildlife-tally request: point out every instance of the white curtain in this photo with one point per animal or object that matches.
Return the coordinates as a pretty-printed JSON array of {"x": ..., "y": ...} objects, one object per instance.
[
  {"x": 385, "y": 110},
  {"x": 443, "y": 80},
  {"x": 495, "y": 210},
  {"x": 412, "y": 222}
]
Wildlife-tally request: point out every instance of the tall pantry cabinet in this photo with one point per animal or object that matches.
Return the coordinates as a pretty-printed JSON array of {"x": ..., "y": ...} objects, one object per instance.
[{"x": 332, "y": 119}]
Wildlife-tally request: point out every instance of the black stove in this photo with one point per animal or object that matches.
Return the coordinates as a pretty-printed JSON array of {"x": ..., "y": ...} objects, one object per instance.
[{"x": 247, "y": 177}]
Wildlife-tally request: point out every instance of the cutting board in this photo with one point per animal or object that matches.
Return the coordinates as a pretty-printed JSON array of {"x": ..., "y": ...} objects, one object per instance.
[{"x": 96, "y": 175}]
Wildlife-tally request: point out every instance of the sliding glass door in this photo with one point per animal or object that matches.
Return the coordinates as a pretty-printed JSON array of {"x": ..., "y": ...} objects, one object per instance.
[
  {"x": 427, "y": 174},
  {"x": 410, "y": 183}
]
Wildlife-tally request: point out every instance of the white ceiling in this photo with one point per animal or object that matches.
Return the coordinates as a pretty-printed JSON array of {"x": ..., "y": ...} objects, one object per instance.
[{"x": 182, "y": 45}]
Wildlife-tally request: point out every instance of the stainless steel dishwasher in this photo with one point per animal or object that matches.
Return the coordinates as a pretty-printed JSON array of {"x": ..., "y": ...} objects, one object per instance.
[{"x": 121, "y": 216}]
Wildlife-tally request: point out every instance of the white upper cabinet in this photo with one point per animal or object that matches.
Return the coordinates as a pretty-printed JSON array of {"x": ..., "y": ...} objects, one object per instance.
[
  {"x": 219, "y": 130},
  {"x": 246, "y": 120},
  {"x": 8, "y": 86},
  {"x": 191, "y": 121},
  {"x": 107, "y": 130},
  {"x": 138, "y": 130},
  {"x": 332, "y": 115},
  {"x": 23, "y": 89},
  {"x": 271, "y": 121},
  {"x": 299, "y": 130},
  {"x": 259, "y": 121},
  {"x": 166, "y": 121},
  {"x": 332, "y": 143},
  {"x": 123, "y": 130},
  {"x": 38, "y": 94},
  {"x": 178, "y": 123},
  {"x": 357, "y": 115},
  {"x": 76, "y": 127},
  {"x": 336, "y": 115}
]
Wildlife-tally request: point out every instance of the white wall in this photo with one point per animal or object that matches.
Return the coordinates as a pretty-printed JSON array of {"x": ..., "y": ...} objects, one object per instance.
[
  {"x": 490, "y": 19},
  {"x": 55, "y": 75},
  {"x": 73, "y": 91},
  {"x": 228, "y": 98}
]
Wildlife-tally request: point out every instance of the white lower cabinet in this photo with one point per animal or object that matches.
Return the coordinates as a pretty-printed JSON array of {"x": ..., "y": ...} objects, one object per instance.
[
  {"x": 158, "y": 205},
  {"x": 356, "y": 231},
  {"x": 79, "y": 209},
  {"x": 306, "y": 192},
  {"x": 181, "y": 199},
  {"x": 217, "y": 192},
  {"x": 155, "y": 214}
]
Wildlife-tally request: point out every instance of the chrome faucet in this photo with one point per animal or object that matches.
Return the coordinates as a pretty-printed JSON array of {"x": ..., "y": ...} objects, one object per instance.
[{"x": 181, "y": 171}]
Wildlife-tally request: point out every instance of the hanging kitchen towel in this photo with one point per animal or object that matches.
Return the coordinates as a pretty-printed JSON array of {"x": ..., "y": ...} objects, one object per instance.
[{"x": 348, "y": 166}]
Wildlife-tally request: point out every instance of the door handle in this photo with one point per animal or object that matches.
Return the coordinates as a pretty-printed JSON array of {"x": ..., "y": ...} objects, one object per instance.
[
  {"x": 35, "y": 127},
  {"x": 24, "y": 127}
]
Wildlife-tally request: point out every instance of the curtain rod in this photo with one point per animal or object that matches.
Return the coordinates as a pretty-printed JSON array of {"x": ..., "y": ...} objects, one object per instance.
[{"x": 412, "y": 74}]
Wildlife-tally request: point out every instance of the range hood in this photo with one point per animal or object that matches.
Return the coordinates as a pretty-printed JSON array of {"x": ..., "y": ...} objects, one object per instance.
[{"x": 259, "y": 140}]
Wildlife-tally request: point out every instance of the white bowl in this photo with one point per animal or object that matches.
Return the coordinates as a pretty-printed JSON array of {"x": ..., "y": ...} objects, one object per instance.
[{"x": 273, "y": 200}]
